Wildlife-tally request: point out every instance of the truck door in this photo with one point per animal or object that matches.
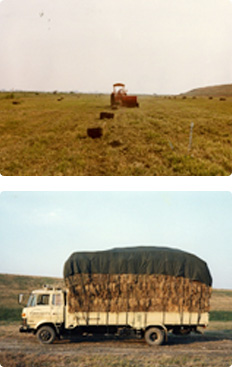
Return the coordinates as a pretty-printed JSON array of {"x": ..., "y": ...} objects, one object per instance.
[
  {"x": 41, "y": 309},
  {"x": 57, "y": 308}
]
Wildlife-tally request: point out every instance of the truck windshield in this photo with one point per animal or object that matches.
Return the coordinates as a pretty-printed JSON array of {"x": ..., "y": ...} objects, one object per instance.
[
  {"x": 38, "y": 299},
  {"x": 32, "y": 300}
]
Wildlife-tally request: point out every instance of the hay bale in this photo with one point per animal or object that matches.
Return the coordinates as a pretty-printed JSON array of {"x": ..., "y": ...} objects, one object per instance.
[
  {"x": 95, "y": 132},
  {"x": 106, "y": 115},
  {"x": 149, "y": 280},
  {"x": 130, "y": 292}
]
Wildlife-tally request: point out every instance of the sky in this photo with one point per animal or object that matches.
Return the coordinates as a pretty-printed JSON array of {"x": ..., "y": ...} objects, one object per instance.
[
  {"x": 40, "y": 230},
  {"x": 154, "y": 46}
]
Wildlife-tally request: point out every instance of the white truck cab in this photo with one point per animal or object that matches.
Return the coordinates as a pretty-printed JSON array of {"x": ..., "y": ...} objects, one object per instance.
[{"x": 44, "y": 313}]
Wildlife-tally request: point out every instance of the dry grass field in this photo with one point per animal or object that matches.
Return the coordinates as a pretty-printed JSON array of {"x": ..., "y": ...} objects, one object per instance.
[
  {"x": 25, "y": 351},
  {"x": 46, "y": 134},
  {"x": 12, "y": 285},
  {"x": 212, "y": 349},
  {"x": 215, "y": 91}
]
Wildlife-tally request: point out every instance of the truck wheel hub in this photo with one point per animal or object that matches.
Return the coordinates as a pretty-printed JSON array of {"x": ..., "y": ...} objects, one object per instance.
[{"x": 45, "y": 335}]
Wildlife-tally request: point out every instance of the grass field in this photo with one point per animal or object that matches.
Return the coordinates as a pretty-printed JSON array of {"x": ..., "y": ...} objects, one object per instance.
[
  {"x": 46, "y": 134},
  {"x": 11, "y": 286},
  {"x": 33, "y": 360}
]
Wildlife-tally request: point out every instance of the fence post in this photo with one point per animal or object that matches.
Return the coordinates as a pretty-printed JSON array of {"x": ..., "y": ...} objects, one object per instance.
[{"x": 190, "y": 136}]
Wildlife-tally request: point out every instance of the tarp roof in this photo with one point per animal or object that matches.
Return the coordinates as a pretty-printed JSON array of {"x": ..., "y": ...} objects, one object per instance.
[
  {"x": 139, "y": 260},
  {"x": 118, "y": 85}
]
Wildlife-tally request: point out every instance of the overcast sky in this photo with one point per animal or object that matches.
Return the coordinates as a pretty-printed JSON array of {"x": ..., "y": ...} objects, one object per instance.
[
  {"x": 40, "y": 230},
  {"x": 154, "y": 46}
]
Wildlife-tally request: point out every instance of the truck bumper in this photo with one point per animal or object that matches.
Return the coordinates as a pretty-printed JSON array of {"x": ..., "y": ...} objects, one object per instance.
[{"x": 25, "y": 329}]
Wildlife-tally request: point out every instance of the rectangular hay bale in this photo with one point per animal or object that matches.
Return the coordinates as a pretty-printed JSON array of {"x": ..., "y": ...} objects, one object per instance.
[{"x": 136, "y": 293}]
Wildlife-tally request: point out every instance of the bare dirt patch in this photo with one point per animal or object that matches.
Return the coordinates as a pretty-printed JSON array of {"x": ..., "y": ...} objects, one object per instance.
[{"x": 212, "y": 349}]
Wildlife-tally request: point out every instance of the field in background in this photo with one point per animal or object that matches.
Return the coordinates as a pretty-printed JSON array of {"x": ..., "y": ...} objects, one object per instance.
[
  {"x": 212, "y": 91},
  {"x": 46, "y": 134},
  {"x": 12, "y": 285}
]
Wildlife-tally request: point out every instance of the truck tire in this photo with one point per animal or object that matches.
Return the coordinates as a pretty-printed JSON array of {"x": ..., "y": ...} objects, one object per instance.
[
  {"x": 46, "y": 335},
  {"x": 154, "y": 336}
]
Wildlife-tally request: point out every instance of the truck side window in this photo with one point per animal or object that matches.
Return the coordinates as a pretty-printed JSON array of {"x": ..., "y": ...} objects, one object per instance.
[
  {"x": 43, "y": 299},
  {"x": 57, "y": 300}
]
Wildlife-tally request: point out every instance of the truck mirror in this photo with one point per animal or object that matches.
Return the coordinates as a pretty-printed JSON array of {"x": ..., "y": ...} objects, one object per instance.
[{"x": 20, "y": 298}]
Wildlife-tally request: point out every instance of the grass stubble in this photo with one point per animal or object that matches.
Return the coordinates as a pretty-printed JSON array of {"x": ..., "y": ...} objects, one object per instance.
[
  {"x": 34, "y": 360},
  {"x": 45, "y": 134}
]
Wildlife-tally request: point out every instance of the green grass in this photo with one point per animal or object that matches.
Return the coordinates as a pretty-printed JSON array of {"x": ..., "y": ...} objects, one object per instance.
[
  {"x": 43, "y": 136},
  {"x": 221, "y": 316},
  {"x": 10, "y": 314}
]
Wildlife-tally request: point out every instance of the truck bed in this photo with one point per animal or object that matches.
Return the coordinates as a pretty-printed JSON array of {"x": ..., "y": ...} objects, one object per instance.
[{"x": 136, "y": 320}]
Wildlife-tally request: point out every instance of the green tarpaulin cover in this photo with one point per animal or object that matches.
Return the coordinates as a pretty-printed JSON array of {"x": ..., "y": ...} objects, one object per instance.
[{"x": 139, "y": 260}]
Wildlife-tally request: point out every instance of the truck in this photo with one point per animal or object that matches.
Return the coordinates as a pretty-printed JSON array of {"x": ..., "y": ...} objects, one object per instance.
[{"x": 145, "y": 291}]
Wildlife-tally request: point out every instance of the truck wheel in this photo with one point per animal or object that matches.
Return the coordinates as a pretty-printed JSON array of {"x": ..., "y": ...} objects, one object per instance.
[
  {"x": 46, "y": 335},
  {"x": 154, "y": 336}
]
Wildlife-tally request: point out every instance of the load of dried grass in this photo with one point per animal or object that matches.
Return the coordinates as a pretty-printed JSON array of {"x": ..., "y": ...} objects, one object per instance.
[{"x": 136, "y": 293}]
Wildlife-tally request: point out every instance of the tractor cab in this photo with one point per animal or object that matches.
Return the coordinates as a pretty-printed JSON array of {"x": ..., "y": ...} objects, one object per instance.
[
  {"x": 119, "y": 91},
  {"x": 119, "y": 97}
]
